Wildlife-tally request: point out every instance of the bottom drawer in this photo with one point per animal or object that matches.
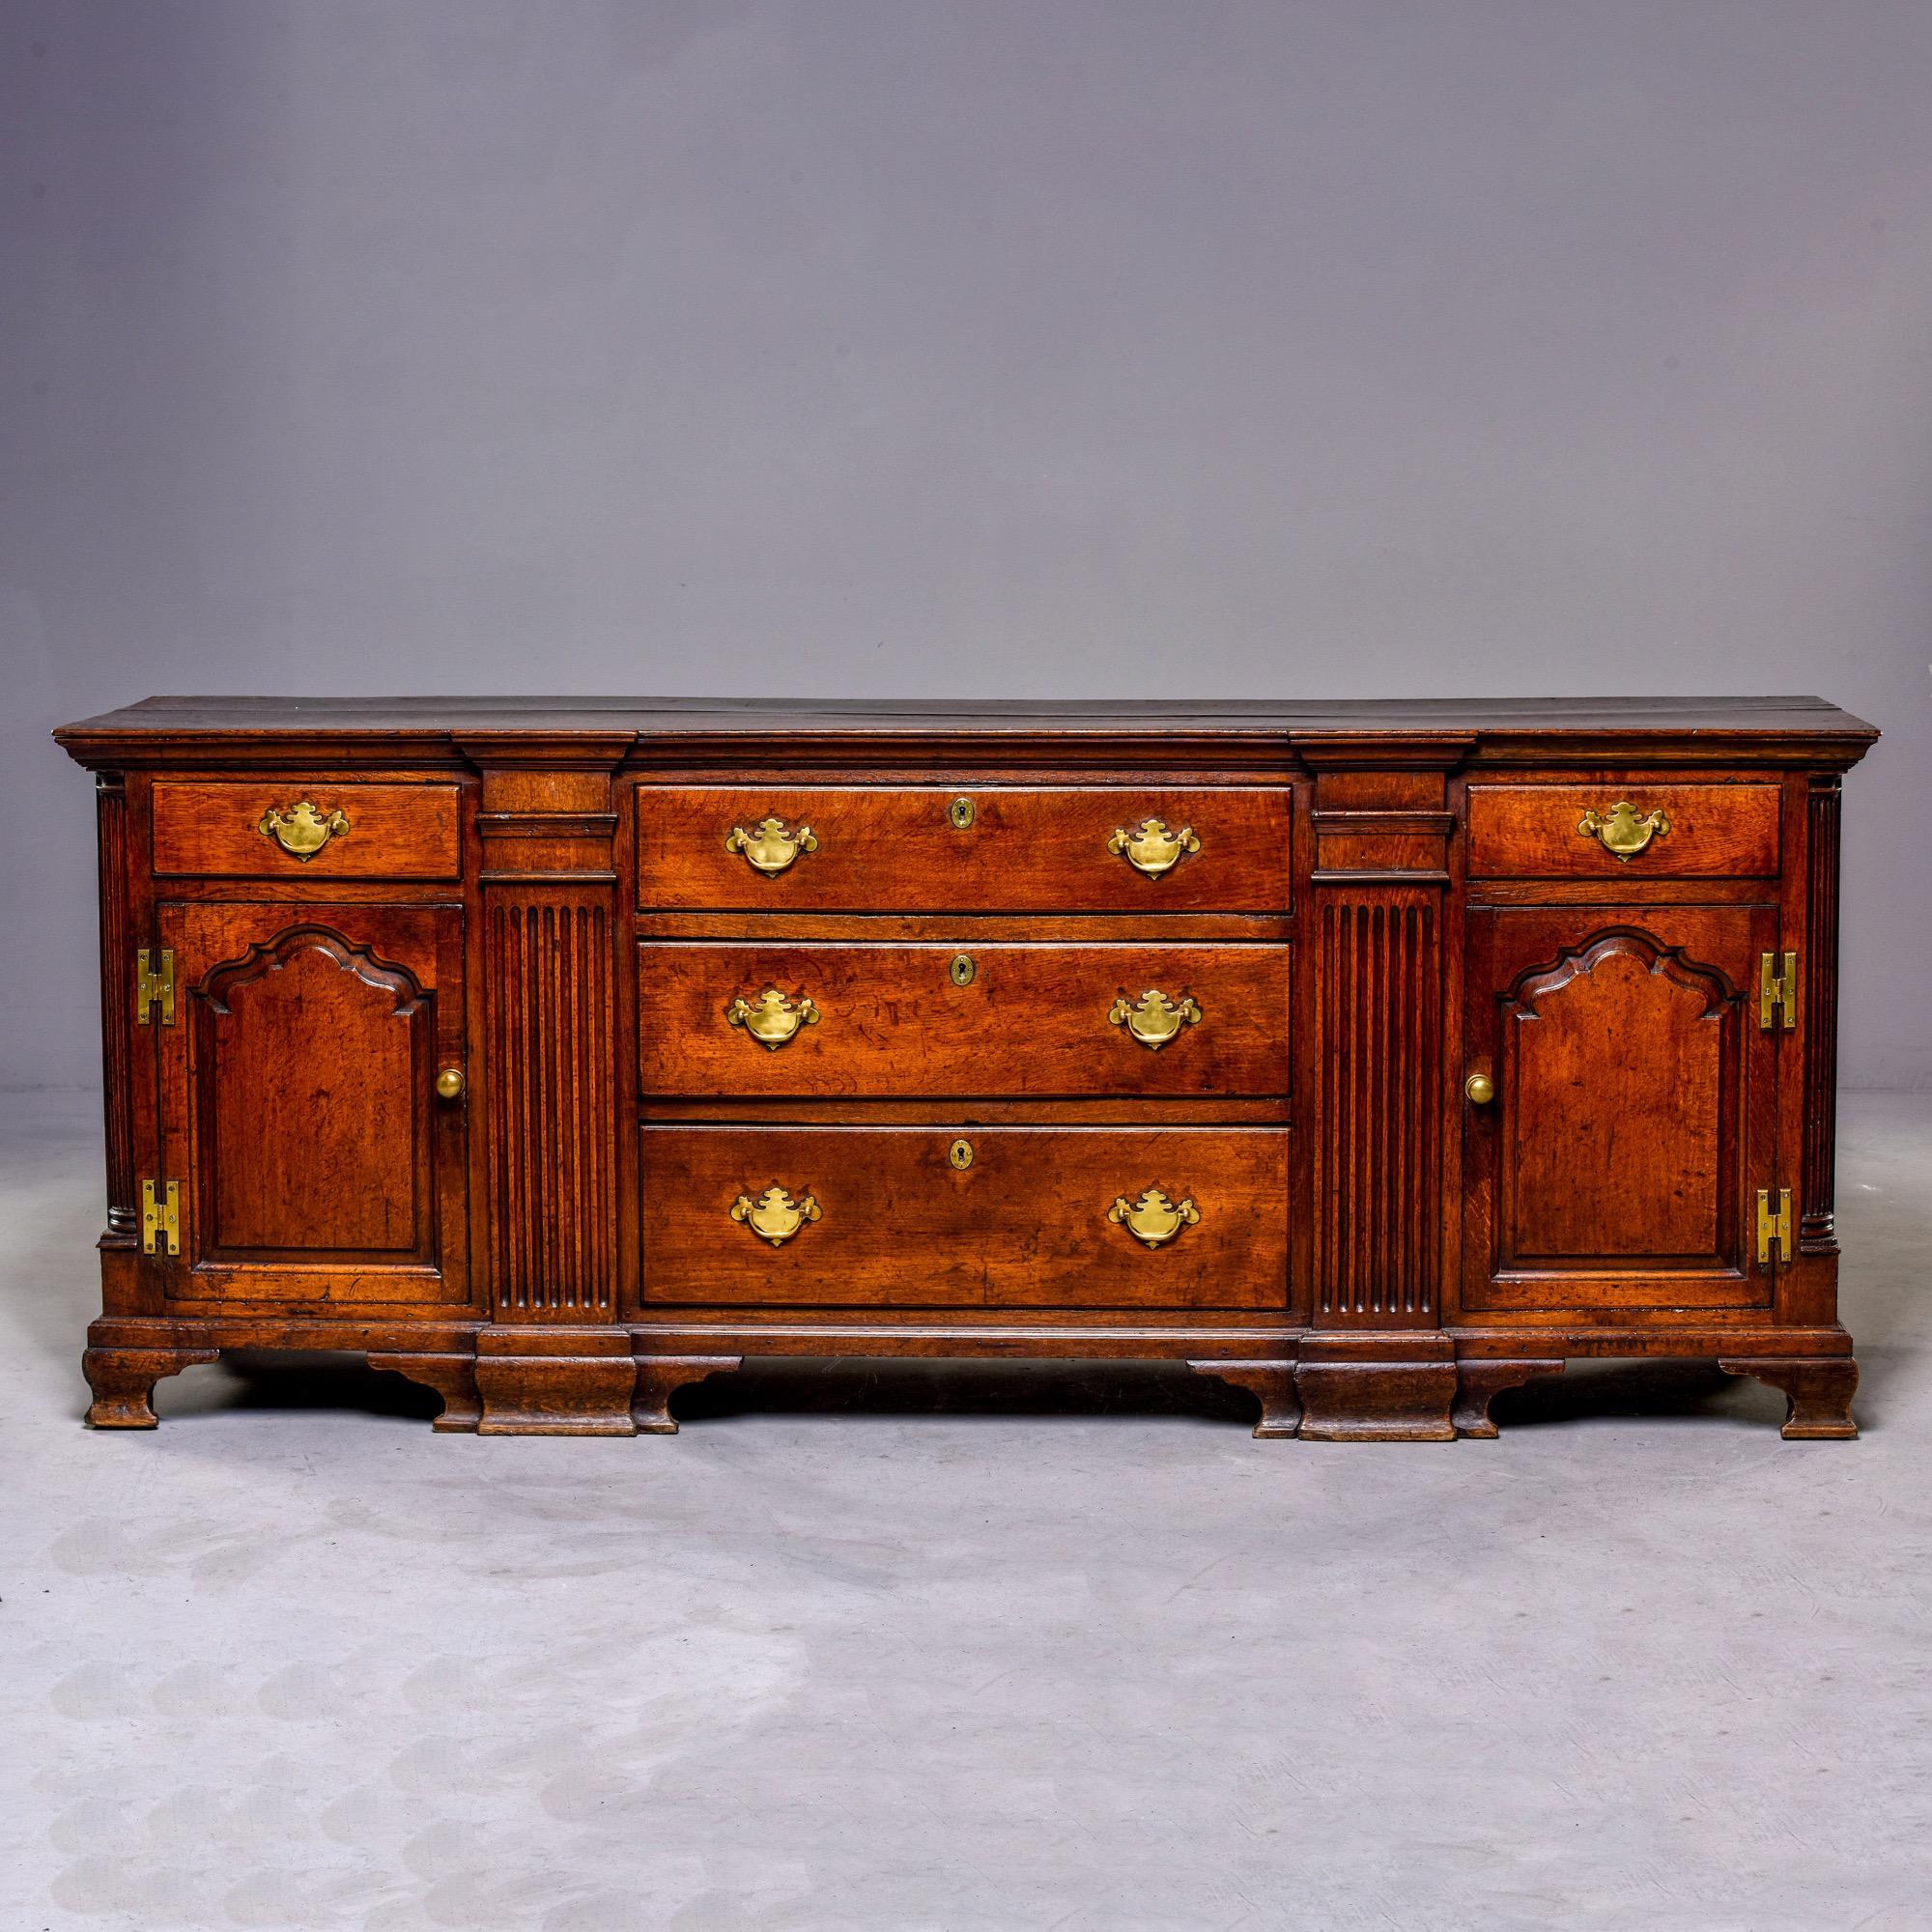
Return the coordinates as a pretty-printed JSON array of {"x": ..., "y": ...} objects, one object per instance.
[{"x": 981, "y": 1217}]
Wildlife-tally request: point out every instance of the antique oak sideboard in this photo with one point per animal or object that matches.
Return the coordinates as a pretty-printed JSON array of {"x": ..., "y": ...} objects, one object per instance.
[{"x": 1374, "y": 1058}]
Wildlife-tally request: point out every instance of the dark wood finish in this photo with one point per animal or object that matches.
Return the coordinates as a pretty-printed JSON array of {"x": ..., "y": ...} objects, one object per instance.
[
  {"x": 1032, "y": 1022},
  {"x": 1817, "y": 1394},
  {"x": 661, "y": 1377},
  {"x": 1270, "y": 1383},
  {"x": 453, "y": 1376},
  {"x": 212, "y": 829},
  {"x": 1634, "y": 1111},
  {"x": 1717, "y": 831},
  {"x": 1478, "y": 1380},
  {"x": 555, "y": 1381},
  {"x": 1025, "y": 1226},
  {"x": 1381, "y": 1393},
  {"x": 123, "y": 1381},
  {"x": 1027, "y": 850},
  {"x": 1818, "y": 1013},
  {"x": 299, "y": 1102},
  {"x": 118, "y": 1025},
  {"x": 536, "y": 894}
]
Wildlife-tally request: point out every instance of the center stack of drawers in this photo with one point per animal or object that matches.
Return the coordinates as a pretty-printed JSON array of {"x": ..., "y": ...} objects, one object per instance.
[{"x": 942, "y": 1052}]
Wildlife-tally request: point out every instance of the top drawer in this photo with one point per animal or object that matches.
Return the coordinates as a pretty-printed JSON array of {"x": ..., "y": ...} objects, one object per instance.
[
  {"x": 279, "y": 827},
  {"x": 1623, "y": 831},
  {"x": 986, "y": 849}
]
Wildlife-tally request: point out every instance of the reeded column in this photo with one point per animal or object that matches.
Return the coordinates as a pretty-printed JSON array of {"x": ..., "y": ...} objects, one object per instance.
[
  {"x": 544, "y": 965},
  {"x": 1377, "y": 1365}
]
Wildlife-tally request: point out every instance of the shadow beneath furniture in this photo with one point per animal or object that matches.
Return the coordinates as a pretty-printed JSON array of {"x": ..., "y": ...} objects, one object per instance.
[
  {"x": 290, "y": 1380},
  {"x": 1632, "y": 1390},
  {"x": 795, "y": 1385}
]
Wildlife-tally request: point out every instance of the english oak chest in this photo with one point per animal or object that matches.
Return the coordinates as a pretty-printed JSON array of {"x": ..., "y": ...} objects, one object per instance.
[{"x": 1372, "y": 1057}]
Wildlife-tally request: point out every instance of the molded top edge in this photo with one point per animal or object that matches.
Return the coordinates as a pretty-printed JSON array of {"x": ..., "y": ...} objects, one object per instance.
[{"x": 166, "y": 718}]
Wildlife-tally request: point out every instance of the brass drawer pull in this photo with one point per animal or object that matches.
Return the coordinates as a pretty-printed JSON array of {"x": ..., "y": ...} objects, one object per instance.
[
  {"x": 1154, "y": 1020},
  {"x": 1153, "y": 1218},
  {"x": 1621, "y": 832},
  {"x": 1152, "y": 848},
  {"x": 772, "y": 1019},
  {"x": 773, "y": 1215},
  {"x": 768, "y": 847},
  {"x": 301, "y": 829}
]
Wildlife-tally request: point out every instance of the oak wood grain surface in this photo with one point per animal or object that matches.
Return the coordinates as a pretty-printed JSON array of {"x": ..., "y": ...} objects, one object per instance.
[
  {"x": 1031, "y": 1020},
  {"x": 541, "y": 901},
  {"x": 396, "y": 831},
  {"x": 1025, "y": 1225},
  {"x": 897, "y": 849}
]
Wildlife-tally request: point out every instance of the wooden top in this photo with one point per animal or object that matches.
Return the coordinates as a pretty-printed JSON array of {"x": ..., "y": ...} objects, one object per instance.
[{"x": 409, "y": 728}]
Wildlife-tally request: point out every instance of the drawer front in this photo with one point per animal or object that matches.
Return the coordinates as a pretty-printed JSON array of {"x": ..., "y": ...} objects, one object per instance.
[
  {"x": 279, "y": 827},
  {"x": 985, "y": 1217},
  {"x": 1023, "y": 1021},
  {"x": 927, "y": 848},
  {"x": 1623, "y": 831}
]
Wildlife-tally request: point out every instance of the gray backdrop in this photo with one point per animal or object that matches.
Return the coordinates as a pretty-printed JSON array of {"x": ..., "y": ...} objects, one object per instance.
[{"x": 1042, "y": 349}]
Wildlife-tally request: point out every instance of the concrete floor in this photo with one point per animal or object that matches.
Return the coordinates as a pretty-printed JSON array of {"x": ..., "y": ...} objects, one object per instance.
[{"x": 961, "y": 1650}]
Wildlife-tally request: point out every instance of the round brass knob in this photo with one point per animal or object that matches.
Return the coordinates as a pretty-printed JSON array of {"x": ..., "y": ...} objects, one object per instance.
[
  {"x": 1480, "y": 1088},
  {"x": 449, "y": 1084}
]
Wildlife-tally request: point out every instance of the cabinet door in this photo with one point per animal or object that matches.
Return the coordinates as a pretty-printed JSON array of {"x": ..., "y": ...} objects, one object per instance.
[
  {"x": 299, "y": 1108},
  {"x": 1634, "y": 1111}
]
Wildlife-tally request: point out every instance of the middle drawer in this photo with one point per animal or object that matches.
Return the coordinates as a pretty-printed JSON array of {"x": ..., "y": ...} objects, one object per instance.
[{"x": 894, "y": 1021}]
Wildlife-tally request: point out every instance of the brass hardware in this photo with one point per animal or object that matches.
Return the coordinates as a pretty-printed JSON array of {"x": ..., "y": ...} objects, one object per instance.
[
  {"x": 768, "y": 847},
  {"x": 160, "y": 1219},
  {"x": 1774, "y": 1227},
  {"x": 1480, "y": 1088},
  {"x": 962, "y": 812},
  {"x": 449, "y": 1084},
  {"x": 1623, "y": 832},
  {"x": 1776, "y": 989},
  {"x": 1154, "y": 1020},
  {"x": 1150, "y": 848},
  {"x": 301, "y": 829},
  {"x": 960, "y": 1155},
  {"x": 153, "y": 984},
  {"x": 962, "y": 969},
  {"x": 772, "y": 1019},
  {"x": 774, "y": 1216},
  {"x": 1153, "y": 1218}
]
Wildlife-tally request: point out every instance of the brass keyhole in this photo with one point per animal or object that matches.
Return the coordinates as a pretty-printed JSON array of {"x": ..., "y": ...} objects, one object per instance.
[
  {"x": 960, "y": 1155},
  {"x": 962, "y": 969},
  {"x": 962, "y": 812}
]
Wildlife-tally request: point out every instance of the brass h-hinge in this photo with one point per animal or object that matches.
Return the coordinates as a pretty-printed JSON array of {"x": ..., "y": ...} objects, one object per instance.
[
  {"x": 153, "y": 984},
  {"x": 160, "y": 1218},
  {"x": 1774, "y": 1227},
  {"x": 1776, "y": 989}
]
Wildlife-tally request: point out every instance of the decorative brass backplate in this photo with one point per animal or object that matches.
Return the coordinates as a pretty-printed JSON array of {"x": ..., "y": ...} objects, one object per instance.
[
  {"x": 962, "y": 812},
  {"x": 1154, "y": 1020},
  {"x": 773, "y": 1215},
  {"x": 1152, "y": 848},
  {"x": 772, "y": 1019},
  {"x": 1153, "y": 1218},
  {"x": 1621, "y": 832},
  {"x": 768, "y": 847},
  {"x": 962, "y": 969},
  {"x": 960, "y": 1155},
  {"x": 301, "y": 829}
]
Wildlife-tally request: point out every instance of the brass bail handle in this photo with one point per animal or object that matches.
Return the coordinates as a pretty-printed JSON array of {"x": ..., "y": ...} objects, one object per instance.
[
  {"x": 302, "y": 829},
  {"x": 771, "y": 846},
  {"x": 1621, "y": 831}
]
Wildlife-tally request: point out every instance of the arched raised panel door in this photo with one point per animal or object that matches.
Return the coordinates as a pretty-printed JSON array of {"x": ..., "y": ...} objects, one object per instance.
[
  {"x": 1634, "y": 1112},
  {"x": 316, "y": 1161}
]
